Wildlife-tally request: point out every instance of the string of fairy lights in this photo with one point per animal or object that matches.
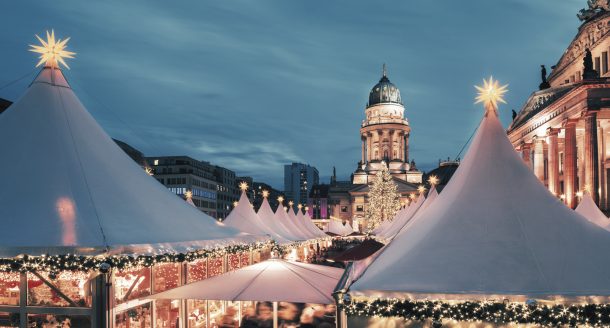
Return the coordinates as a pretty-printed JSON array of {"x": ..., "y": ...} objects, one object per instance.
[{"x": 595, "y": 315}]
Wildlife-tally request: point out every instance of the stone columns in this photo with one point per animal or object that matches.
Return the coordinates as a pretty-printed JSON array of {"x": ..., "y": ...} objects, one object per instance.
[
  {"x": 406, "y": 147},
  {"x": 569, "y": 171},
  {"x": 363, "y": 138},
  {"x": 591, "y": 156},
  {"x": 539, "y": 158},
  {"x": 553, "y": 168},
  {"x": 525, "y": 153},
  {"x": 391, "y": 150},
  {"x": 369, "y": 150}
]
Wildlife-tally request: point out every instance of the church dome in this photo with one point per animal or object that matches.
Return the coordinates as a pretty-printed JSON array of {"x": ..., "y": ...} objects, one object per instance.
[{"x": 384, "y": 92}]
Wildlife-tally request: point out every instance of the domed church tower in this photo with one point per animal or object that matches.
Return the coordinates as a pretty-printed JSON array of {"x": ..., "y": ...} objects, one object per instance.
[{"x": 385, "y": 135}]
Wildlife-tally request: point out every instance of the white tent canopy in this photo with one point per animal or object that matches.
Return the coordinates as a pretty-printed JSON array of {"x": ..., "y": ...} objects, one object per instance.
[
  {"x": 296, "y": 225},
  {"x": 591, "y": 212},
  {"x": 244, "y": 218},
  {"x": 272, "y": 280},
  {"x": 308, "y": 225},
  {"x": 281, "y": 218},
  {"x": 336, "y": 227},
  {"x": 392, "y": 229},
  {"x": 265, "y": 213},
  {"x": 494, "y": 230},
  {"x": 84, "y": 194}
]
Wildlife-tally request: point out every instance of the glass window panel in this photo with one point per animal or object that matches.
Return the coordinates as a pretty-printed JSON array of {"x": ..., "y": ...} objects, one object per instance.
[
  {"x": 131, "y": 284},
  {"x": 166, "y": 276},
  {"x": 197, "y": 270},
  {"x": 9, "y": 320},
  {"x": 215, "y": 266},
  {"x": 9, "y": 288},
  {"x": 136, "y": 317},
  {"x": 58, "y": 320},
  {"x": 167, "y": 313},
  {"x": 73, "y": 285},
  {"x": 245, "y": 259},
  {"x": 233, "y": 262},
  {"x": 215, "y": 312},
  {"x": 197, "y": 313}
]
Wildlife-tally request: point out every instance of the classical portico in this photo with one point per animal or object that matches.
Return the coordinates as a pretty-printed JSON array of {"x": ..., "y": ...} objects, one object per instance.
[{"x": 562, "y": 132}]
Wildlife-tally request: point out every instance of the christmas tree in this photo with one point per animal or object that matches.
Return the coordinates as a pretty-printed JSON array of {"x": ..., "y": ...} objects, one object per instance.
[{"x": 384, "y": 200}]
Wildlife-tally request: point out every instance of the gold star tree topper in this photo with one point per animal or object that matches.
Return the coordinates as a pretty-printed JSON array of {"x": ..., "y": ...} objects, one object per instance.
[
  {"x": 491, "y": 93},
  {"x": 243, "y": 186},
  {"x": 52, "y": 52}
]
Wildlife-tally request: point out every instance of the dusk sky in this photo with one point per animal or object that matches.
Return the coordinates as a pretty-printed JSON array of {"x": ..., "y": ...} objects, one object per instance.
[{"x": 254, "y": 85}]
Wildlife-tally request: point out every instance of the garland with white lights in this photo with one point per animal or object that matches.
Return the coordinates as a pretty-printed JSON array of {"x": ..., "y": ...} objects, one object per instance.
[
  {"x": 71, "y": 262},
  {"x": 484, "y": 311}
]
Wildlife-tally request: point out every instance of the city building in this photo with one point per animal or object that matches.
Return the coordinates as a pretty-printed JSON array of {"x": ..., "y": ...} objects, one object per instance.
[
  {"x": 255, "y": 193},
  {"x": 318, "y": 206},
  {"x": 442, "y": 173},
  {"x": 182, "y": 173},
  {"x": 227, "y": 190},
  {"x": 298, "y": 180},
  {"x": 135, "y": 154},
  {"x": 563, "y": 129},
  {"x": 384, "y": 136}
]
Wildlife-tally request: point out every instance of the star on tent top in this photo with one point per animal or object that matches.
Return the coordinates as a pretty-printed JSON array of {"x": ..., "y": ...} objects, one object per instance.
[
  {"x": 52, "y": 52},
  {"x": 491, "y": 93}
]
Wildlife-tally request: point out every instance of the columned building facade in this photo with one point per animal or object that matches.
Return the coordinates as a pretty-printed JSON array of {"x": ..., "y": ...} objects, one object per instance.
[
  {"x": 563, "y": 130},
  {"x": 384, "y": 135}
]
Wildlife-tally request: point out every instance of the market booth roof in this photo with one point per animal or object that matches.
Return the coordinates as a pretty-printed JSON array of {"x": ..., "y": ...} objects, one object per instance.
[
  {"x": 591, "y": 212},
  {"x": 272, "y": 280},
  {"x": 73, "y": 190},
  {"x": 495, "y": 230}
]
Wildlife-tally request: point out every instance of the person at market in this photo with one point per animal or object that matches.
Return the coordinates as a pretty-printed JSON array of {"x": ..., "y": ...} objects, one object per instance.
[
  {"x": 228, "y": 319},
  {"x": 264, "y": 314},
  {"x": 288, "y": 315},
  {"x": 249, "y": 320}
]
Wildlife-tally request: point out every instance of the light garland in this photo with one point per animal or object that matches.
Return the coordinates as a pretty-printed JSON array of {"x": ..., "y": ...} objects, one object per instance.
[
  {"x": 71, "y": 262},
  {"x": 597, "y": 315}
]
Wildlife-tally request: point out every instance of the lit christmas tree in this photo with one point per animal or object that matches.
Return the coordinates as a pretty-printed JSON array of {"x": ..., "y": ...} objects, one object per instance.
[{"x": 384, "y": 200}]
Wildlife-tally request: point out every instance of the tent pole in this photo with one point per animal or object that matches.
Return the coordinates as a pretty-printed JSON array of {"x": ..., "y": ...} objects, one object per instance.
[{"x": 274, "y": 314}]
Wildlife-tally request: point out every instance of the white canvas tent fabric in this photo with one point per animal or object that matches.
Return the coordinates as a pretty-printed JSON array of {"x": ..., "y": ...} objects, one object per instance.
[
  {"x": 296, "y": 225},
  {"x": 244, "y": 218},
  {"x": 300, "y": 222},
  {"x": 267, "y": 216},
  {"x": 310, "y": 226},
  {"x": 190, "y": 202},
  {"x": 591, "y": 212},
  {"x": 272, "y": 280},
  {"x": 385, "y": 224},
  {"x": 84, "y": 194},
  {"x": 336, "y": 227},
  {"x": 399, "y": 222},
  {"x": 494, "y": 230},
  {"x": 430, "y": 198},
  {"x": 281, "y": 218}
]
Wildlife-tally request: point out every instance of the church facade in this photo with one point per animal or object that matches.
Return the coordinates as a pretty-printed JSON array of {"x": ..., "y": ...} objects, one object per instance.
[
  {"x": 563, "y": 130},
  {"x": 384, "y": 136}
]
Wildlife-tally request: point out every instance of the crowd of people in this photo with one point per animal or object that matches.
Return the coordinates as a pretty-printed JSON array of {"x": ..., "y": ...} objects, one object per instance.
[
  {"x": 338, "y": 246},
  {"x": 289, "y": 315}
]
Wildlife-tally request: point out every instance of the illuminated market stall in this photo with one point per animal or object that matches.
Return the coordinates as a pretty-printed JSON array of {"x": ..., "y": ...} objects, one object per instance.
[
  {"x": 495, "y": 247},
  {"x": 97, "y": 233}
]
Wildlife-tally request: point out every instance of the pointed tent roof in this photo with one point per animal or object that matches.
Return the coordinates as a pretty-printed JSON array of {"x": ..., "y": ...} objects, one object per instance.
[
  {"x": 244, "y": 218},
  {"x": 86, "y": 195},
  {"x": 281, "y": 218},
  {"x": 296, "y": 225},
  {"x": 336, "y": 227},
  {"x": 391, "y": 230},
  {"x": 591, "y": 212},
  {"x": 265, "y": 213},
  {"x": 499, "y": 231},
  {"x": 306, "y": 222}
]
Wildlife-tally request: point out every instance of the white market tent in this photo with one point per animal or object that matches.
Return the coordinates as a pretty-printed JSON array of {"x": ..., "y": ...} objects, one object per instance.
[
  {"x": 84, "y": 194},
  {"x": 265, "y": 213},
  {"x": 281, "y": 217},
  {"x": 244, "y": 218},
  {"x": 272, "y": 280},
  {"x": 296, "y": 226},
  {"x": 306, "y": 222},
  {"x": 336, "y": 227},
  {"x": 591, "y": 212},
  {"x": 391, "y": 230},
  {"x": 432, "y": 195},
  {"x": 495, "y": 230}
]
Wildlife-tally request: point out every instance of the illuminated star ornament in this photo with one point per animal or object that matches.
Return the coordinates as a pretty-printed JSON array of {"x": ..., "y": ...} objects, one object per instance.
[
  {"x": 433, "y": 180},
  {"x": 421, "y": 189},
  {"x": 280, "y": 199},
  {"x": 52, "y": 52},
  {"x": 265, "y": 193},
  {"x": 188, "y": 194},
  {"x": 491, "y": 93},
  {"x": 243, "y": 186}
]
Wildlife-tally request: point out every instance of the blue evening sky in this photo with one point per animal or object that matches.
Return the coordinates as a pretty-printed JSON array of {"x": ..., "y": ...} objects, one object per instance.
[{"x": 252, "y": 85}]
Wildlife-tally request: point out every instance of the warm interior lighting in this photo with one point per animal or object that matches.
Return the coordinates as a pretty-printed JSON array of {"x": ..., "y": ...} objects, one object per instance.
[{"x": 52, "y": 52}]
